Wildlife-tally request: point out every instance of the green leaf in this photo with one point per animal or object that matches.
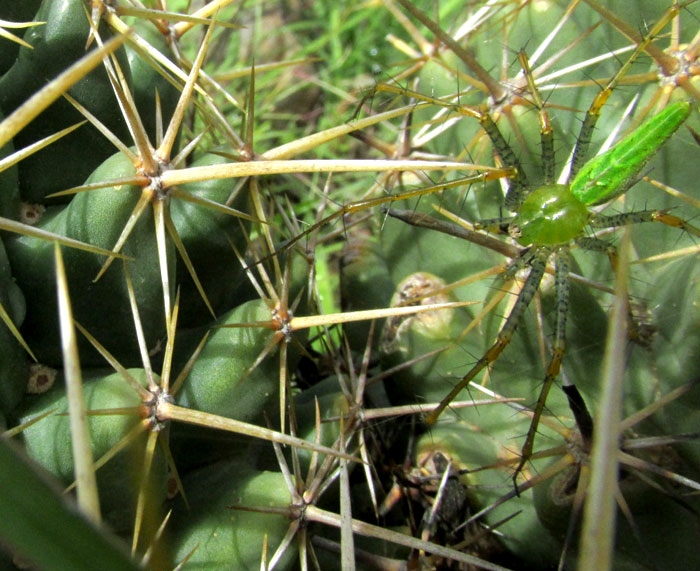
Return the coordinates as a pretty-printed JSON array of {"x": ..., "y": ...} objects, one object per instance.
[{"x": 44, "y": 528}]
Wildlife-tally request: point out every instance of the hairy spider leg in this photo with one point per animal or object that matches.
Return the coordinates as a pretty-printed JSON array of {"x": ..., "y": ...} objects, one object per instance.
[
  {"x": 538, "y": 264},
  {"x": 517, "y": 178},
  {"x": 624, "y": 219},
  {"x": 358, "y": 205},
  {"x": 561, "y": 288},
  {"x": 546, "y": 132},
  {"x": 640, "y": 217},
  {"x": 589, "y": 122}
]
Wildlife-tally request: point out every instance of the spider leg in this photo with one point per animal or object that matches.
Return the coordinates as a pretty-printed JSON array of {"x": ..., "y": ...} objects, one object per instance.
[
  {"x": 538, "y": 264},
  {"x": 421, "y": 220},
  {"x": 518, "y": 181},
  {"x": 546, "y": 133},
  {"x": 637, "y": 332},
  {"x": 561, "y": 284},
  {"x": 598, "y": 245},
  {"x": 641, "y": 216},
  {"x": 519, "y": 187},
  {"x": 636, "y": 329},
  {"x": 495, "y": 225},
  {"x": 358, "y": 205},
  {"x": 583, "y": 141},
  {"x": 624, "y": 219}
]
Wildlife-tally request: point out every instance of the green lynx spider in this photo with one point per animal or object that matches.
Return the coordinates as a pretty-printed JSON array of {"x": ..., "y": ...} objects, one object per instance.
[{"x": 548, "y": 220}]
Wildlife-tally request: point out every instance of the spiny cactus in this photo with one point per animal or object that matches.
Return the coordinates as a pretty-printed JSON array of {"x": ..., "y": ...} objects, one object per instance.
[{"x": 182, "y": 308}]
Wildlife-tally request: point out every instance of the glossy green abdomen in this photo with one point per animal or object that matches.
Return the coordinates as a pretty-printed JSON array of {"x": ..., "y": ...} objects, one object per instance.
[
  {"x": 609, "y": 175},
  {"x": 550, "y": 215}
]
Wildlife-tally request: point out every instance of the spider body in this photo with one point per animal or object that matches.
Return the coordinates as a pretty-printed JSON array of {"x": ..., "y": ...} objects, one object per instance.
[
  {"x": 556, "y": 214},
  {"x": 549, "y": 216}
]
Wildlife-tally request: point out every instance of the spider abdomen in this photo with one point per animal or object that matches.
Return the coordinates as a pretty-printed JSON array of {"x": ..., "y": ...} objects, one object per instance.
[
  {"x": 609, "y": 175},
  {"x": 550, "y": 215}
]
